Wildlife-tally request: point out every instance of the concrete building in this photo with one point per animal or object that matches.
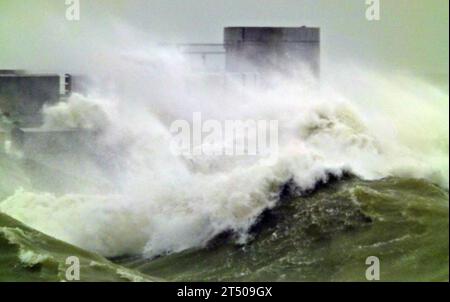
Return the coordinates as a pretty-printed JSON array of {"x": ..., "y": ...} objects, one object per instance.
[
  {"x": 269, "y": 49},
  {"x": 37, "y": 142},
  {"x": 23, "y": 95},
  {"x": 76, "y": 83}
]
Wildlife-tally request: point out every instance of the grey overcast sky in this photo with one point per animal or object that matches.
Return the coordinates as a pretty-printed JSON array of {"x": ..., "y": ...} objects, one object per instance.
[{"x": 411, "y": 35}]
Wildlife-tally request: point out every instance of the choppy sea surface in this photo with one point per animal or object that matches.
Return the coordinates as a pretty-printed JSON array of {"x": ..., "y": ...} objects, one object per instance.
[{"x": 325, "y": 235}]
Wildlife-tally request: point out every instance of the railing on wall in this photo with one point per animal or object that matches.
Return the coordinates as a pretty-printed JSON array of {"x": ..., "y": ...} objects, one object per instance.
[{"x": 207, "y": 52}]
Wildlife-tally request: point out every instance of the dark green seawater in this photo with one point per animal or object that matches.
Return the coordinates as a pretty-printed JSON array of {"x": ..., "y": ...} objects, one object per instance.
[{"x": 324, "y": 236}]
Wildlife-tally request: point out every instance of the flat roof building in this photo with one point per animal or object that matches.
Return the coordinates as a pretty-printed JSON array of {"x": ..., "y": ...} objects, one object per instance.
[
  {"x": 266, "y": 49},
  {"x": 22, "y": 95}
]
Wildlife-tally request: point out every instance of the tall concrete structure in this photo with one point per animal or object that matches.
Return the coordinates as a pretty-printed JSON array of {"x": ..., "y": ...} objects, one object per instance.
[
  {"x": 271, "y": 49},
  {"x": 23, "y": 95},
  {"x": 76, "y": 83}
]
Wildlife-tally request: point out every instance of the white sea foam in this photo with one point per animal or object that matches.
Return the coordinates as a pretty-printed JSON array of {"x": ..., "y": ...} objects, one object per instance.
[{"x": 384, "y": 126}]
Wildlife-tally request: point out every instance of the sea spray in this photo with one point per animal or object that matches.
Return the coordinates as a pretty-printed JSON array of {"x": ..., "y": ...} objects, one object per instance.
[{"x": 158, "y": 202}]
